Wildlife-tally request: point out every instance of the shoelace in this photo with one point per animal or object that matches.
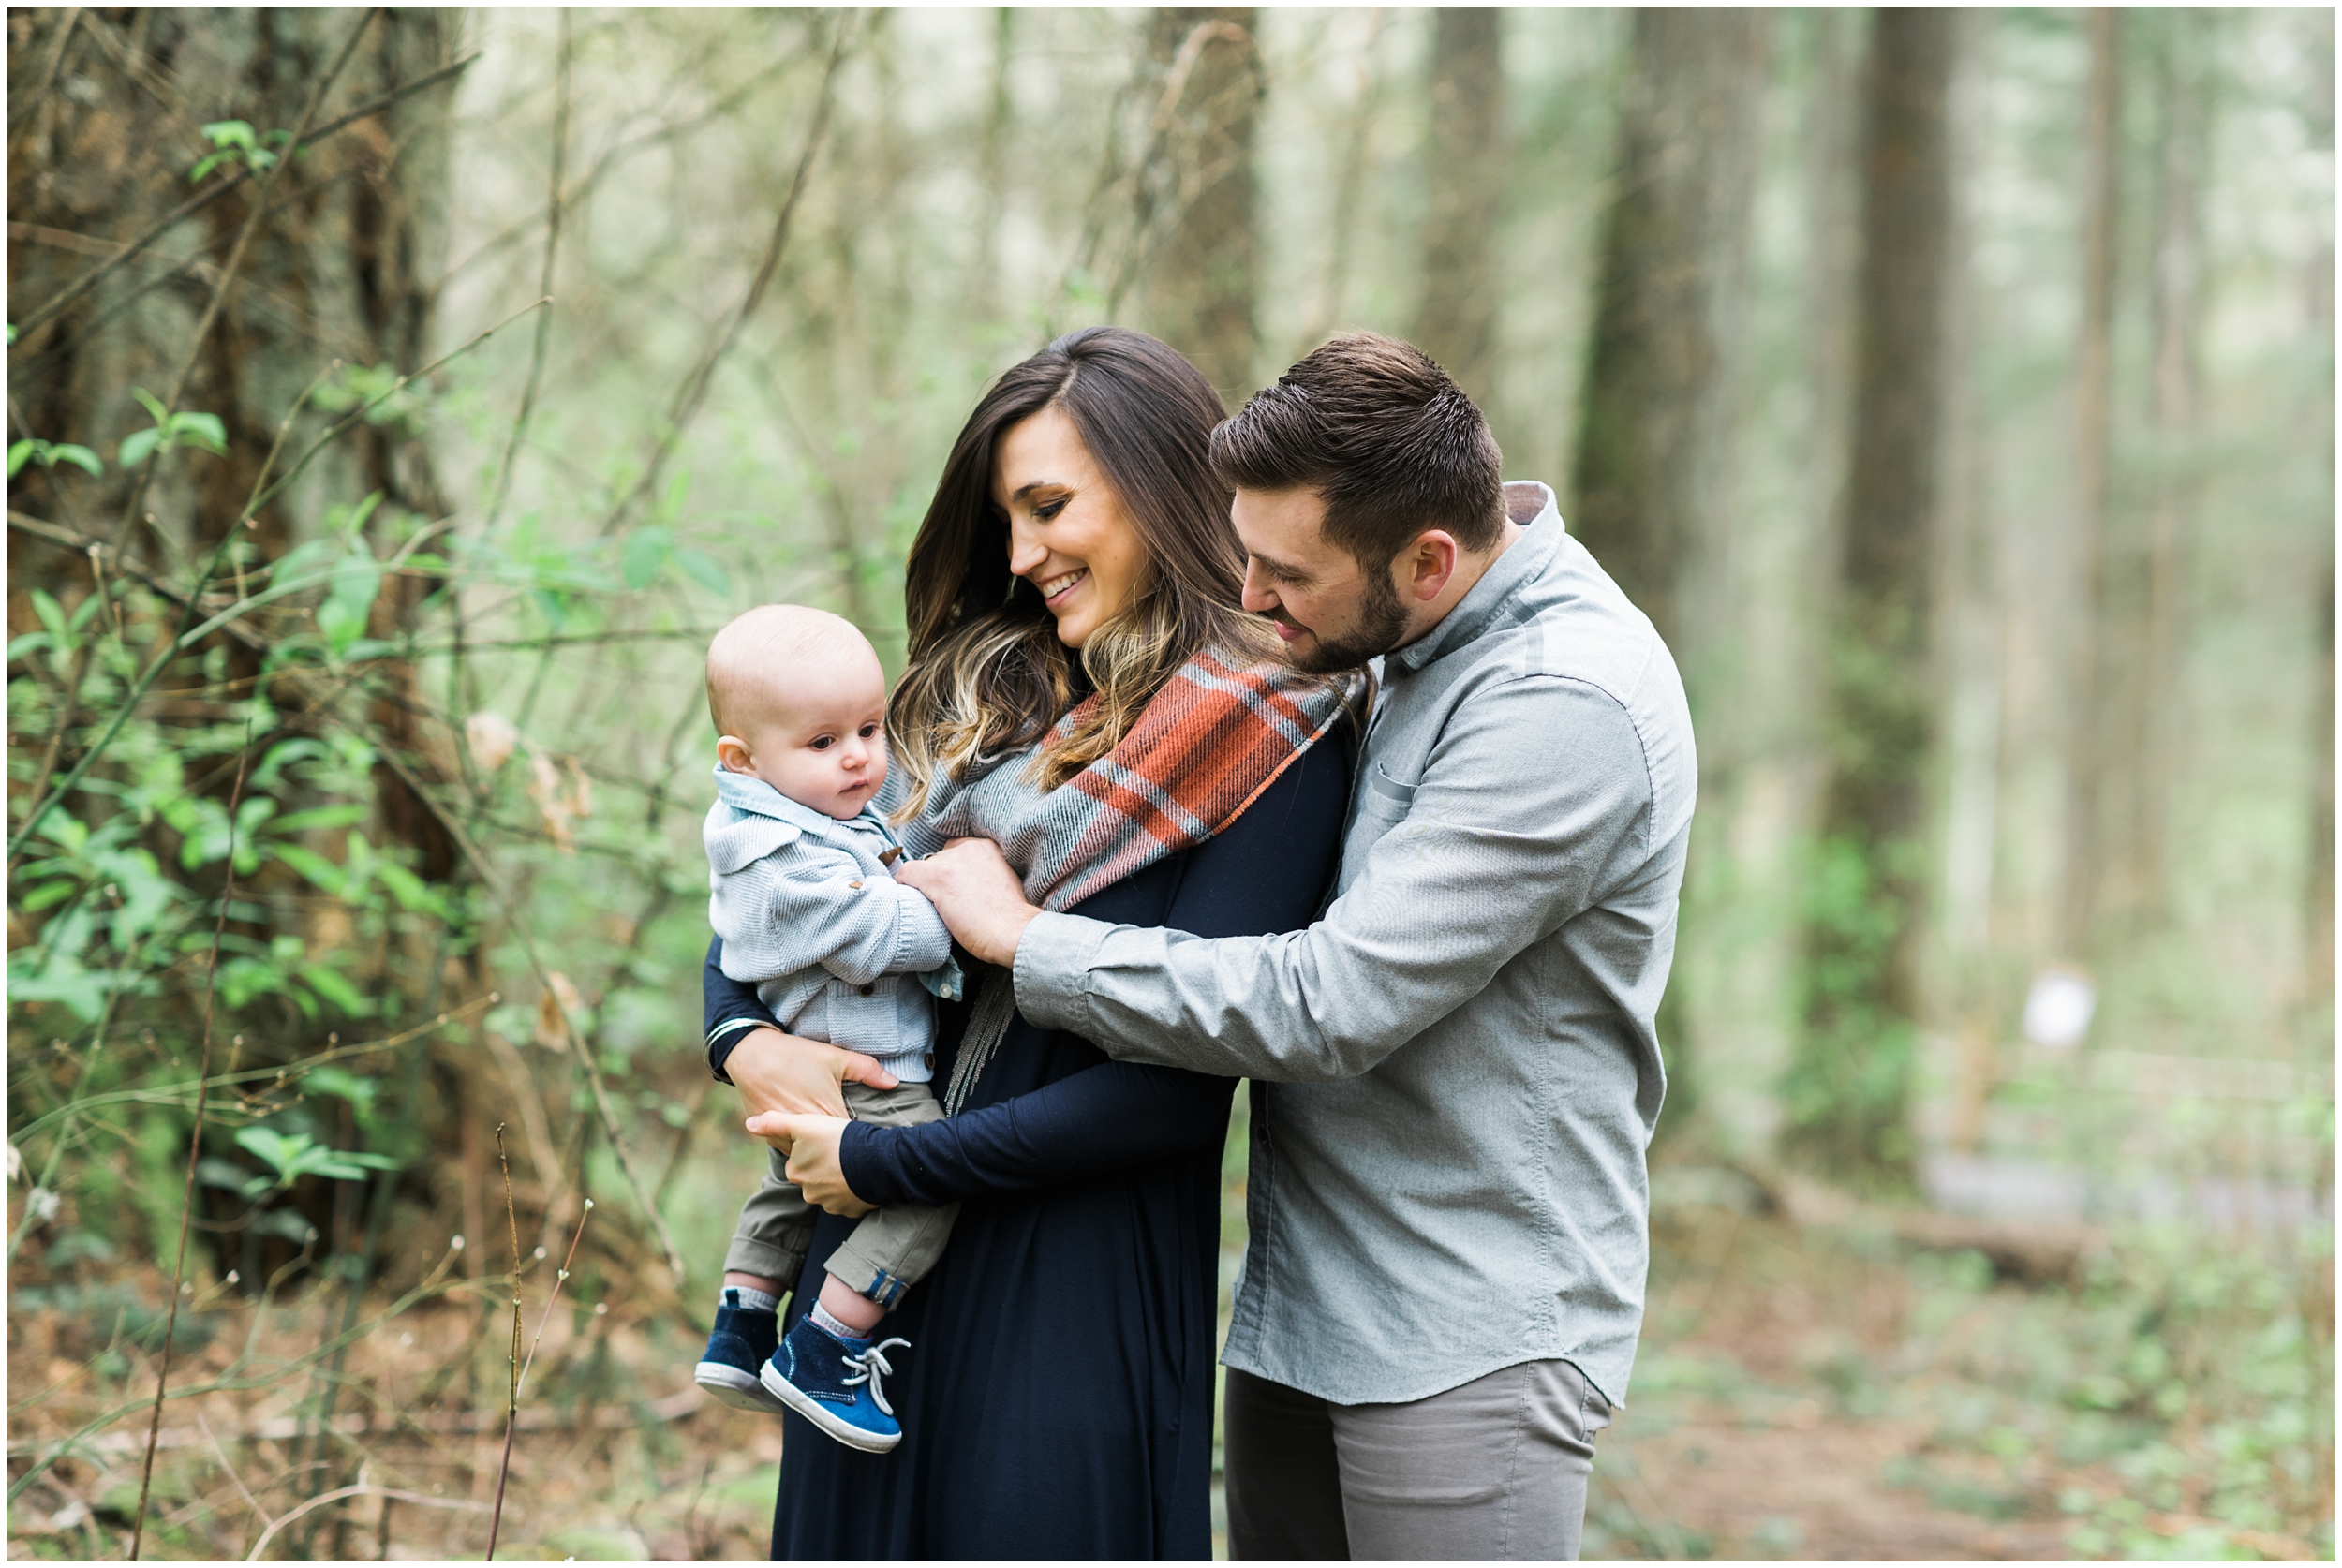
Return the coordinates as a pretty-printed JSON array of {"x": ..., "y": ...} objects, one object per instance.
[{"x": 868, "y": 1366}]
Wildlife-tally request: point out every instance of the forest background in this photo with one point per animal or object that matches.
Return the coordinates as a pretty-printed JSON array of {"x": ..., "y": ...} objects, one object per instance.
[{"x": 399, "y": 399}]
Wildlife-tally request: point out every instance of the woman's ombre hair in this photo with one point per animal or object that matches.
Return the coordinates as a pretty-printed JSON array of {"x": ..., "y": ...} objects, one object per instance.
[{"x": 986, "y": 672}]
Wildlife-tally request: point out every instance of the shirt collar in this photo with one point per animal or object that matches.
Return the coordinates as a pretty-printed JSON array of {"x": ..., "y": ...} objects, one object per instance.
[
  {"x": 745, "y": 792},
  {"x": 1484, "y": 607}
]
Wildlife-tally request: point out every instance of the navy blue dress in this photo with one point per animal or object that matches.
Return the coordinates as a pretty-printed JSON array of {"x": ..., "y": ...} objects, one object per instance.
[{"x": 1056, "y": 1398}]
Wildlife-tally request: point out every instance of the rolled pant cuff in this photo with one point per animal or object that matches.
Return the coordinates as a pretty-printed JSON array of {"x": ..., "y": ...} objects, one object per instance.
[
  {"x": 865, "y": 1277},
  {"x": 773, "y": 1262}
]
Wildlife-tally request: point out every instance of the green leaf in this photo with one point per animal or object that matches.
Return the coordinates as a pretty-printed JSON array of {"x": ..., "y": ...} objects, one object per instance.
[
  {"x": 32, "y": 641},
  {"x": 335, "y": 987},
  {"x": 18, "y": 452},
  {"x": 51, "y": 615},
  {"x": 678, "y": 491},
  {"x": 137, "y": 445},
  {"x": 152, "y": 404},
  {"x": 209, "y": 162},
  {"x": 704, "y": 569},
  {"x": 80, "y": 456},
  {"x": 191, "y": 428},
  {"x": 230, "y": 133},
  {"x": 645, "y": 552},
  {"x": 321, "y": 871},
  {"x": 342, "y": 816}
]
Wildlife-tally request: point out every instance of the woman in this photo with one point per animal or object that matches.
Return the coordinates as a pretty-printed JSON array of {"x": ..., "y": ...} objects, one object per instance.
[{"x": 1078, "y": 654}]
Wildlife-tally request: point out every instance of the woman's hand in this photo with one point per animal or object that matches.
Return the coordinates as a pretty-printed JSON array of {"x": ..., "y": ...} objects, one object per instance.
[
  {"x": 979, "y": 896},
  {"x": 811, "y": 1143},
  {"x": 776, "y": 1071}
]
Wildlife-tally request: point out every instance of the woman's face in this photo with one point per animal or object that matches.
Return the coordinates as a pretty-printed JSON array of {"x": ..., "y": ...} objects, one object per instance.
[{"x": 1067, "y": 532}]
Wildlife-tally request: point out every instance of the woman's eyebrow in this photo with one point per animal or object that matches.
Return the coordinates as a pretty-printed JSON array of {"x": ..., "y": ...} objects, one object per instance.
[{"x": 1024, "y": 489}]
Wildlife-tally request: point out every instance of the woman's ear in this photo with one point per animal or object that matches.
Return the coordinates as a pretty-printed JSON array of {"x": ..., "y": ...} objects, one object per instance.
[{"x": 734, "y": 753}]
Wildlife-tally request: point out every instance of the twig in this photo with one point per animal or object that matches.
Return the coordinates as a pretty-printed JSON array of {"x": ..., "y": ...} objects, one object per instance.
[
  {"x": 694, "y": 390},
  {"x": 195, "y": 1149},
  {"x": 559, "y": 1278},
  {"x": 462, "y": 1505},
  {"x": 545, "y": 280},
  {"x": 512, "y": 1400},
  {"x": 267, "y": 1520}
]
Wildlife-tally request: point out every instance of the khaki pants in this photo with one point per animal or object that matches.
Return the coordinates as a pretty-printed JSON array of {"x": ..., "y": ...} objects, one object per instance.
[
  {"x": 889, "y": 1252},
  {"x": 1492, "y": 1472}
]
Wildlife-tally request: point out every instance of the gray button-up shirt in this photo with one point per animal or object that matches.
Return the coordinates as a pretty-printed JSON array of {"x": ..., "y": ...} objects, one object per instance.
[{"x": 1455, "y": 1071}]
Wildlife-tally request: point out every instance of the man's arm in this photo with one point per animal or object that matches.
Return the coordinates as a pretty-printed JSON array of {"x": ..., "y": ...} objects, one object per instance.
[{"x": 1535, "y": 801}]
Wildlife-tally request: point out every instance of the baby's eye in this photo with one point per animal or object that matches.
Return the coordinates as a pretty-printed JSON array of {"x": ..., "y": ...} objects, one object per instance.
[
  {"x": 822, "y": 743},
  {"x": 868, "y": 730}
]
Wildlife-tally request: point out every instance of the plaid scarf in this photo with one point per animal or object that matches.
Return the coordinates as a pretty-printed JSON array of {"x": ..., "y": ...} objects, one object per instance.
[{"x": 1218, "y": 733}]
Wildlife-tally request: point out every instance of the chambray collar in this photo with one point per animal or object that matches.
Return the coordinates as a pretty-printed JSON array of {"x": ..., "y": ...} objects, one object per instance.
[
  {"x": 745, "y": 792},
  {"x": 1491, "y": 597}
]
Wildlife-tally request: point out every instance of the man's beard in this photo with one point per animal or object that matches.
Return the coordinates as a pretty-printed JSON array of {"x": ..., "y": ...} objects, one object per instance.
[{"x": 1382, "y": 621}]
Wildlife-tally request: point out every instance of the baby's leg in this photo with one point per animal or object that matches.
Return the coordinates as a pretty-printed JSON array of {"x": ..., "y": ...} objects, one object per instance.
[
  {"x": 897, "y": 1246},
  {"x": 768, "y": 1246}
]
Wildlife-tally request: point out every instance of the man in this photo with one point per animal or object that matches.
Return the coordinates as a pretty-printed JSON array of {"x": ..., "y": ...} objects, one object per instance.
[{"x": 1455, "y": 1071}]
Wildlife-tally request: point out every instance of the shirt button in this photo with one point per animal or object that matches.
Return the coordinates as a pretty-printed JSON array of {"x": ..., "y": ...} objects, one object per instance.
[{"x": 868, "y": 988}]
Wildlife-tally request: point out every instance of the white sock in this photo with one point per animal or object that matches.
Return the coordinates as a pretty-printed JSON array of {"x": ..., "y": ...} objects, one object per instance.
[
  {"x": 752, "y": 1301},
  {"x": 831, "y": 1326}
]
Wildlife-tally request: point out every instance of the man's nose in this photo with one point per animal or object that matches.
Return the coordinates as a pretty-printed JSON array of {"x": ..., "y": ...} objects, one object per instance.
[{"x": 1256, "y": 597}]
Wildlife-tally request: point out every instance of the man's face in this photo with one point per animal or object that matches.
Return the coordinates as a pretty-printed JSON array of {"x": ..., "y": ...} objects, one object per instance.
[{"x": 1331, "y": 611}]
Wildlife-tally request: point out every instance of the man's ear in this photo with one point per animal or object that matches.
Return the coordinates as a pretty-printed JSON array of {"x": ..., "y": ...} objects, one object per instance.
[
  {"x": 1425, "y": 566},
  {"x": 734, "y": 753}
]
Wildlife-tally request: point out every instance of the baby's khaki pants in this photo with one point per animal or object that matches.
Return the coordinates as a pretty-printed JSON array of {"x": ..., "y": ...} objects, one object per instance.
[{"x": 890, "y": 1250}]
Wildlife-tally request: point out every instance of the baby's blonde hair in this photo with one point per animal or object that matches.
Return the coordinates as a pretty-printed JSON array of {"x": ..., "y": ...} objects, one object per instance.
[{"x": 757, "y": 646}]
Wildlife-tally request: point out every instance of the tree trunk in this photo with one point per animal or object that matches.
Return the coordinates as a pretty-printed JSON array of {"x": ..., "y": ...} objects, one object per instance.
[
  {"x": 1464, "y": 167},
  {"x": 1656, "y": 416},
  {"x": 2092, "y": 726},
  {"x": 1000, "y": 121},
  {"x": 1201, "y": 284},
  {"x": 1849, "y": 1092},
  {"x": 2177, "y": 308},
  {"x": 2318, "y": 279}
]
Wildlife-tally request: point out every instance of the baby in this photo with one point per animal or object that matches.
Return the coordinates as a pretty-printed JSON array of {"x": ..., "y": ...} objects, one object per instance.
[{"x": 797, "y": 860}]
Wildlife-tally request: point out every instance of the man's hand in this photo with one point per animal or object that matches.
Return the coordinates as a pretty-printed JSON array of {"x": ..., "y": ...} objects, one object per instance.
[
  {"x": 811, "y": 1145},
  {"x": 971, "y": 884},
  {"x": 776, "y": 1071}
]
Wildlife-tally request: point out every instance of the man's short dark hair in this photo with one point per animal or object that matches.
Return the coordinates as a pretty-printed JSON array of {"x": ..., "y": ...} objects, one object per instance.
[{"x": 1382, "y": 434}]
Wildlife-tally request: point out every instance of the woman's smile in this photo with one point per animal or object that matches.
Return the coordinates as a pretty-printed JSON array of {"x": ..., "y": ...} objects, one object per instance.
[{"x": 1054, "y": 590}]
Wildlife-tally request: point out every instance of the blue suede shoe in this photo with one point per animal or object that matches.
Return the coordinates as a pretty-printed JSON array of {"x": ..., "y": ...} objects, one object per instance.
[
  {"x": 743, "y": 1340},
  {"x": 834, "y": 1383}
]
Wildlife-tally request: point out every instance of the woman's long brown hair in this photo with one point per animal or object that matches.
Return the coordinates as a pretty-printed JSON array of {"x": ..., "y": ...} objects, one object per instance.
[{"x": 986, "y": 672}]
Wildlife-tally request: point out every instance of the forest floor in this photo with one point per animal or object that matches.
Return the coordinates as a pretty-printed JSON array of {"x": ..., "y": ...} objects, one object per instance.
[{"x": 1800, "y": 1394}]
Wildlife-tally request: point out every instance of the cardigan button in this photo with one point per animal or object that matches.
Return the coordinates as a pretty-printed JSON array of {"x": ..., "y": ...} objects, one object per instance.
[
  {"x": 868, "y": 988},
  {"x": 930, "y": 1059}
]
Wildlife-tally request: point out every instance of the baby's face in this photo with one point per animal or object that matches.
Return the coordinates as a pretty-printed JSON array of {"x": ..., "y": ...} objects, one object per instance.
[{"x": 822, "y": 743}]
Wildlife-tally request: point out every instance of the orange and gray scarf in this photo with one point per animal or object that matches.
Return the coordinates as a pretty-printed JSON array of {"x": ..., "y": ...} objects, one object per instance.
[{"x": 1207, "y": 745}]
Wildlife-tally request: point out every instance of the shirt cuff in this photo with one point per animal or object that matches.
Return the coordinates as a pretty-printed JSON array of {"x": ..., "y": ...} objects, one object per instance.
[
  {"x": 922, "y": 940},
  {"x": 1052, "y": 970},
  {"x": 723, "y": 1037},
  {"x": 859, "y": 1162}
]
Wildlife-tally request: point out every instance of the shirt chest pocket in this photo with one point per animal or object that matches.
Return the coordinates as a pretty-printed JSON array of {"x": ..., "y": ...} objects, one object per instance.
[{"x": 1383, "y": 802}]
